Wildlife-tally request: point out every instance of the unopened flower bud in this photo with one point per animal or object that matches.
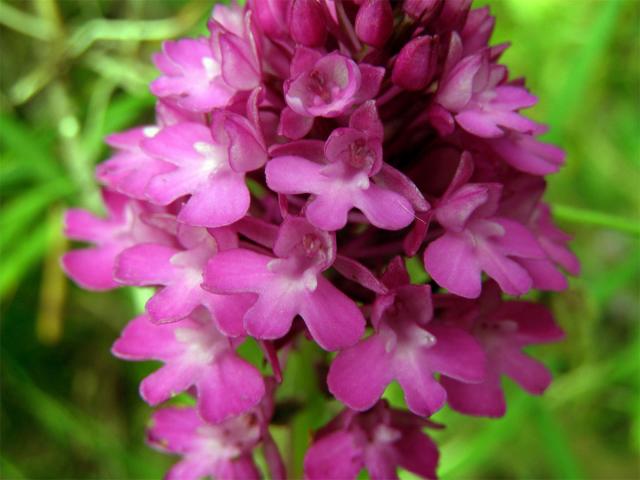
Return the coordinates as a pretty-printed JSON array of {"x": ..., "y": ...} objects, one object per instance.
[
  {"x": 416, "y": 63},
  {"x": 271, "y": 15},
  {"x": 306, "y": 23},
  {"x": 420, "y": 8},
  {"x": 374, "y": 22}
]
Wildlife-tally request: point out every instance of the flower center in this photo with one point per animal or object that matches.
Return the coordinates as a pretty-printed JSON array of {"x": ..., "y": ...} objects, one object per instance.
[
  {"x": 317, "y": 84},
  {"x": 360, "y": 155}
]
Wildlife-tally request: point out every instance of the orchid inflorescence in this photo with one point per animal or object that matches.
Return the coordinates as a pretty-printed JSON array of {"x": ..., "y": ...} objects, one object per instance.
[{"x": 302, "y": 152}]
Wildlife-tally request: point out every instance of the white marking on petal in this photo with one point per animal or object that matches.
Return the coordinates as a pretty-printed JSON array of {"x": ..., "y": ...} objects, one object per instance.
[
  {"x": 211, "y": 67},
  {"x": 310, "y": 280},
  {"x": 214, "y": 158},
  {"x": 202, "y": 345},
  {"x": 385, "y": 434},
  {"x": 150, "y": 132}
]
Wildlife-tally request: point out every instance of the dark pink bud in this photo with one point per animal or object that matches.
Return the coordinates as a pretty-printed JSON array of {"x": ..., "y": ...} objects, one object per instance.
[
  {"x": 271, "y": 15},
  {"x": 306, "y": 23},
  {"x": 374, "y": 22},
  {"x": 420, "y": 8},
  {"x": 416, "y": 63},
  {"x": 452, "y": 16}
]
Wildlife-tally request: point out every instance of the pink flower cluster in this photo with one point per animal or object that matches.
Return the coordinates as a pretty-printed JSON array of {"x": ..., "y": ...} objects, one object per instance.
[{"x": 302, "y": 151}]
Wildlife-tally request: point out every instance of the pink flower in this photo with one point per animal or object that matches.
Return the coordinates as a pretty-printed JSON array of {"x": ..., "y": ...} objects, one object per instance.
[
  {"x": 503, "y": 329},
  {"x": 92, "y": 268},
  {"x": 205, "y": 73},
  {"x": 180, "y": 272},
  {"x": 196, "y": 354},
  {"x": 474, "y": 93},
  {"x": 324, "y": 86},
  {"x": 191, "y": 75},
  {"x": 379, "y": 440},
  {"x": 289, "y": 284},
  {"x": 210, "y": 165},
  {"x": 477, "y": 240},
  {"x": 299, "y": 150},
  {"x": 352, "y": 155},
  {"x": 406, "y": 346},
  {"x": 221, "y": 450}
]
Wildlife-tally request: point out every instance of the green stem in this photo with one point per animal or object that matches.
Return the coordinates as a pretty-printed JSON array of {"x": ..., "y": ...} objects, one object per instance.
[{"x": 598, "y": 219}]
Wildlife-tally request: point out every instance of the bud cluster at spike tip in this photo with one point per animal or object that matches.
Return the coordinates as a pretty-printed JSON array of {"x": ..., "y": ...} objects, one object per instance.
[{"x": 302, "y": 151}]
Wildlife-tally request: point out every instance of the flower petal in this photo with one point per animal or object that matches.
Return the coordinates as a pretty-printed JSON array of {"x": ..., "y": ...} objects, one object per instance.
[
  {"x": 333, "y": 319},
  {"x": 359, "y": 374}
]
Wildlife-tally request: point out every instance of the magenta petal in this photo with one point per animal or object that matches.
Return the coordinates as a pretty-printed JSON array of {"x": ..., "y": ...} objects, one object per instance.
[
  {"x": 483, "y": 399},
  {"x": 167, "y": 187},
  {"x": 143, "y": 340},
  {"x": 371, "y": 79},
  {"x": 334, "y": 456},
  {"x": 172, "y": 428},
  {"x": 293, "y": 175},
  {"x": 189, "y": 469},
  {"x": 175, "y": 144},
  {"x": 242, "y": 468},
  {"x": 384, "y": 208},
  {"x": 92, "y": 268},
  {"x": 220, "y": 202},
  {"x": 535, "y": 322},
  {"x": 237, "y": 70},
  {"x": 517, "y": 240},
  {"x": 479, "y": 123},
  {"x": 145, "y": 264},
  {"x": 359, "y": 374},
  {"x": 228, "y": 311},
  {"x": 272, "y": 314},
  {"x": 228, "y": 387},
  {"x": 424, "y": 396},
  {"x": 246, "y": 152},
  {"x": 381, "y": 462},
  {"x": 530, "y": 374},
  {"x": 168, "y": 381},
  {"x": 456, "y": 91},
  {"x": 417, "y": 453},
  {"x": 357, "y": 272},
  {"x": 545, "y": 275},
  {"x": 293, "y": 125},
  {"x": 329, "y": 212},
  {"x": 512, "y": 278},
  {"x": 456, "y": 354},
  {"x": 82, "y": 225},
  {"x": 237, "y": 271},
  {"x": 173, "y": 302},
  {"x": 333, "y": 319},
  {"x": 456, "y": 208},
  {"x": 451, "y": 262}
]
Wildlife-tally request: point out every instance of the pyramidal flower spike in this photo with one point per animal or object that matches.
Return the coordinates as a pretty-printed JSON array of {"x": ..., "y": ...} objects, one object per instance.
[{"x": 301, "y": 151}]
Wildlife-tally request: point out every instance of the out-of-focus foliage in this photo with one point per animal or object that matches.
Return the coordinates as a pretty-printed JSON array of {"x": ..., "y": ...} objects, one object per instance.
[{"x": 72, "y": 71}]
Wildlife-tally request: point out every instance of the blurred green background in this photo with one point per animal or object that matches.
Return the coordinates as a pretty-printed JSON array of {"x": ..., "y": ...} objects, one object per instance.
[{"x": 72, "y": 71}]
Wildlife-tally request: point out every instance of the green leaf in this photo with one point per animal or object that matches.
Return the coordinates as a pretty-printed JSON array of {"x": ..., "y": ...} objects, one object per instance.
[
  {"x": 575, "y": 86},
  {"x": 553, "y": 439},
  {"x": 18, "y": 261},
  {"x": 598, "y": 219},
  {"x": 23, "y": 211},
  {"x": 30, "y": 146}
]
